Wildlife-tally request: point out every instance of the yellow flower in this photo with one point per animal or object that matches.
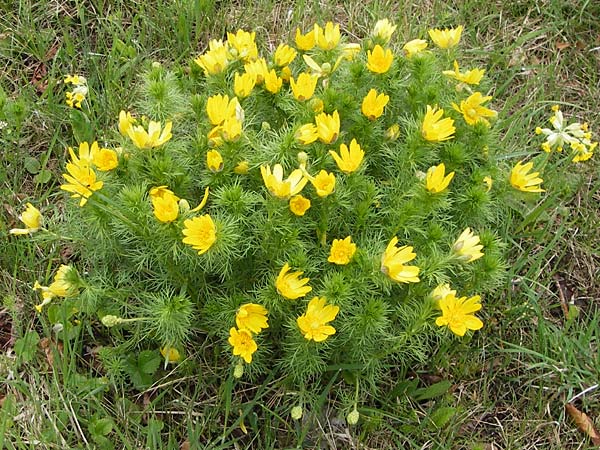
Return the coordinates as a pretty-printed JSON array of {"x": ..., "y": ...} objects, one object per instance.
[
  {"x": 74, "y": 99},
  {"x": 273, "y": 82},
  {"x": 200, "y": 233},
  {"x": 321, "y": 70},
  {"x": 304, "y": 88},
  {"x": 436, "y": 129},
  {"x": 242, "y": 343},
  {"x": 521, "y": 179},
  {"x": 32, "y": 218},
  {"x": 77, "y": 80},
  {"x": 126, "y": 120},
  {"x": 328, "y": 127},
  {"x": 243, "y": 84},
  {"x": 286, "y": 74},
  {"x": 348, "y": 160},
  {"x": 241, "y": 168},
  {"x": 328, "y": 38},
  {"x": 446, "y": 38},
  {"x": 252, "y": 318},
  {"x": 488, "y": 182},
  {"x": 105, "y": 159},
  {"x": 324, "y": 183},
  {"x": 393, "y": 260},
  {"x": 393, "y": 132},
  {"x": 257, "y": 68},
  {"x": 583, "y": 152},
  {"x": 413, "y": 47},
  {"x": 166, "y": 207},
  {"x": 436, "y": 181},
  {"x": 473, "y": 76},
  {"x": 373, "y": 104},
  {"x": 151, "y": 138},
  {"x": 231, "y": 129},
  {"x": 472, "y": 109},
  {"x": 220, "y": 107},
  {"x": 305, "y": 41},
  {"x": 290, "y": 285},
  {"x": 284, "y": 55},
  {"x": 243, "y": 45},
  {"x": 214, "y": 161},
  {"x": 313, "y": 323},
  {"x": 307, "y": 134},
  {"x": 202, "y": 202},
  {"x": 349, "y": 51},
  {"x": 342, "y": 251},
  {"x": 214, "y": 60},
  {"x": 467, "y": 247},
  {"x": 379, "y": 60},
  {"x": 457, "y": 314},
  {"x": 279, "y": 187},
  {"x": 161, "y": 192},
  {"x": 383, "y": 30},
  {"x": 62, "y": 286},
  {"x": 170, "y": 354},
  {"x": 299, "y": 205},
  {"x": 81, "y": 181}
]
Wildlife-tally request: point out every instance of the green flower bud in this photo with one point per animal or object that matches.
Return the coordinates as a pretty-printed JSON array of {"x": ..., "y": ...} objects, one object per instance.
[
  {"x": 265, "y": 126},
  {"x": 297, "y": 412},
  {"x": 111, "y": 321},
  {"x": 353, "y": 417},
  {"x": 238, "y": 371}
]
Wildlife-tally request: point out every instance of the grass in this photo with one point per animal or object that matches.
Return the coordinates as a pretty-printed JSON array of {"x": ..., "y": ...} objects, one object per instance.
[{"x": 506, "y": 389}]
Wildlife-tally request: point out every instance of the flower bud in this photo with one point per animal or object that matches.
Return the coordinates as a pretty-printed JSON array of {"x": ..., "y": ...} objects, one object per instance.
[
  {"x": 297, "y": 412},
  {"x": 110, "y": 321},
  {"x": 184, "y": 205},
  {"x": 238, "y": 371},
  {"x": 265, "y": 126},
  {"x": 353, "y": 417},
  {"x": 302, "y": 158}
]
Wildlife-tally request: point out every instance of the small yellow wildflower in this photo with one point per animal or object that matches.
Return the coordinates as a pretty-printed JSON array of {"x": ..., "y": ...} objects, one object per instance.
[
  {"x": 273, "y": 83},
  {"x": 313, "y": 323},
  {"x": 393, "y": 132},
  {"x": 220, "y": 107},
  {"x": 284, "y": 55},
  {"x": 521, "y": 179},
  {"x": 348, "y": 160},
  {"x": 151, "y": 138},
  {"x": 243, "y": 84},
  {"x": 63, "y": 285},
  {"x": 473, "y": 76},
  {"x": 329, "y": 37},
  {"x": 243, "y": 344},
  {"x": 304, "y": 88},
  {"x": 290, "y": 285},
  {"x": 105, "y": 159},
  {"x": 467, "y": 247},
  {"x": 457, "y": 313},
  {"x": 126, "y": 120},
  {"x": 241, "y": 168},
  {"x": 324, "y": 183},
  {"x": 342, "y": 251},
  {"x": 32, "y": 218},
  {"x": 328, "y": 127},
  {"x": 307, "y": 134},
  {"x": 446, "y": 38},
  {"x": 299, "y": 205},
  {"x": 171, "y": 354},
  {"x": 393, "y": 260},
  {"x": 200, "y": 233},
  {"x": 306, "y": 41},
  {"x": 279, "y": 187},
  {"x": 81, "y": 181},
  {"x": 214, "y": 60},
  {"x": 413, "y": 47},
  {"x": 383, "y": 30},
  {"x": 472, "y": 109},
  {"x": 436, "y": 129},
  {"x": 379, "y": 60},
  {"x": 242, "y": 45},
  {"x": 251, "y": 317},
  {"x": 166, "y": 206},
  {"x": 257, "y": 68},
  {"x": 214, "y": 161},
  {"x": 74, "y": 99},
  {"x": 436, "y": 179},
  {"x": 373, "y": 104}
]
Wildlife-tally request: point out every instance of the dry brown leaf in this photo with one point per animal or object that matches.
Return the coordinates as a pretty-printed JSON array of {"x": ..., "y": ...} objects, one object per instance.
[
  {"x": 185, "y": 445},
  {"x": 584, "y": 423},
  {"x": 562, "y": 45},
  {"x": 48, "y": 345}
]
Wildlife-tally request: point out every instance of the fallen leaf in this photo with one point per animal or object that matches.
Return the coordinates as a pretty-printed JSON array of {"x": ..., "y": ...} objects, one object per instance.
[
  {"x": 584, "y": 423},
  {"x": 37, "y": 79},
  {"x": 562, "y": 45},
  {"x": 185, "y": 445},
  {"x": 48, "y": 345}
]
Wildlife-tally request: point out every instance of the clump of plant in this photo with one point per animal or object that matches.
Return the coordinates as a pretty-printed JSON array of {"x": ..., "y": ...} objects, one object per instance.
[{"x": 328, "y": 205}]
